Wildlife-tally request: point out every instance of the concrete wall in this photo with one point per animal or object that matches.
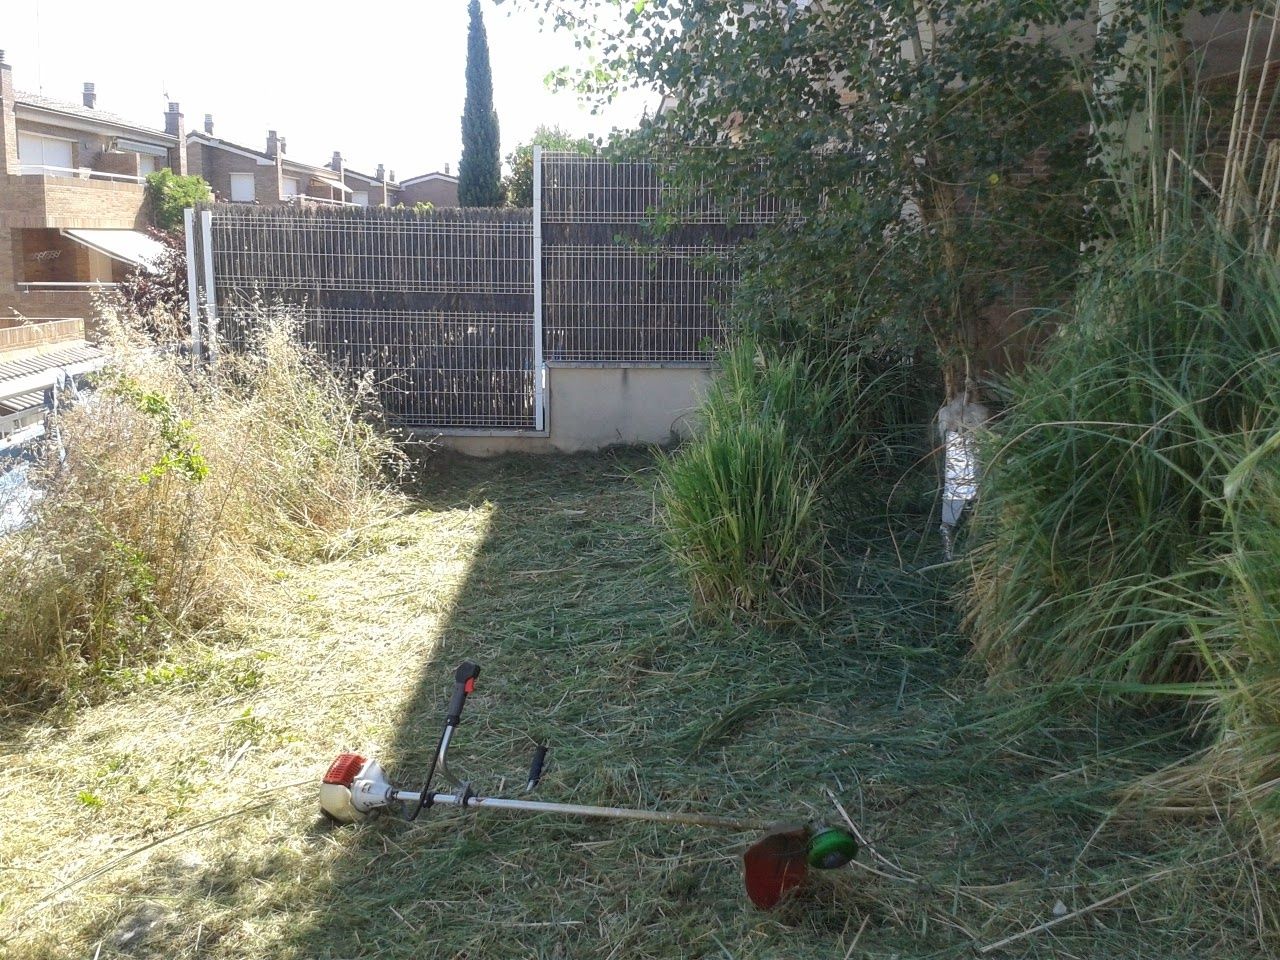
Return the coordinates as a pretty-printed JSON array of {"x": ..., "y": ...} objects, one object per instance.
[{"x": 589, "y": 408}]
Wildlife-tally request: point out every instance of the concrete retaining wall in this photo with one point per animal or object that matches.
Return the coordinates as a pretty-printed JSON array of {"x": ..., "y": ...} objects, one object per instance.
[{"x": 589, "y": 408}]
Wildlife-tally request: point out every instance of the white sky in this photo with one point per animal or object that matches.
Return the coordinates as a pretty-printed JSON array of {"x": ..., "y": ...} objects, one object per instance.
[{"x": 381, "y": 84}]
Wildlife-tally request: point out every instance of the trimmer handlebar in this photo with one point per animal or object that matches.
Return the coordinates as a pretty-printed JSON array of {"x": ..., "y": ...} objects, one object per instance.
[{"x": 464, "y": 682}]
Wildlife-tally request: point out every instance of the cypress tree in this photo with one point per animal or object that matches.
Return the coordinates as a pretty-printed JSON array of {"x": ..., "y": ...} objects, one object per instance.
[{"x": 479, "y": 173}]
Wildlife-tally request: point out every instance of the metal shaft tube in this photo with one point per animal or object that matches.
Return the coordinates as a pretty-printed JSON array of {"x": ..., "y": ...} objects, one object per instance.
[{"x": 583, "y": 810}]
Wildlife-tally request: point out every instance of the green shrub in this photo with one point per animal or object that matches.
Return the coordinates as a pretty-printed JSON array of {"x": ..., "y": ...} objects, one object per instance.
[
  {"x": 742, "y": 515},
  {"x": 741, "y": 500},
  {"x": 169, "y": 194},
  {"x": 1102, "y": 517},
  {"x": 786, "y": 441}
]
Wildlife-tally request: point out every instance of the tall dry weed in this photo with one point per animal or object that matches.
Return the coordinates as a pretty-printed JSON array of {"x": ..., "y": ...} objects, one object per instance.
[{"x": 165, "y": 490}]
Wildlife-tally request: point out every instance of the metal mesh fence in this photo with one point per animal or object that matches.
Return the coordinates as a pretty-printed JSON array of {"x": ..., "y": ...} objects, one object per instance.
[
  {"x": 437, "y": 309},
  {"x": 615, "y": 304},
  {"x": 581, "y": 189},
  {"x": 618, "y": 290}
]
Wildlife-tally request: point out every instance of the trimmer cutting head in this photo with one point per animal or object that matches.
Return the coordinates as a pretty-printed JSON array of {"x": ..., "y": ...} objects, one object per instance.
[{"x": 780, "y": 861}]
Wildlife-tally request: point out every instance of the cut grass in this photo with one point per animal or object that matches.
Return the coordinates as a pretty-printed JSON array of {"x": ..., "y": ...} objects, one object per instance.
[{"x": 179, "y": 819}]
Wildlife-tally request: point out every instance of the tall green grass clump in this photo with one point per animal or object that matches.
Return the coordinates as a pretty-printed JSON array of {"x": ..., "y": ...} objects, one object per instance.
[
  {"x": 749, "y": 500},
  {"x": 741, "y": 500},
  {"x": 166, "y": 493},
  {"x": 1102, "y": 514},
  {"x": 1238, "y": 634}
]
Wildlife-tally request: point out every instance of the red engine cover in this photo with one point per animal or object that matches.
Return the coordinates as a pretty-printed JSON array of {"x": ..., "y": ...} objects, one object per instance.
[{"x": 344, "y": 769}]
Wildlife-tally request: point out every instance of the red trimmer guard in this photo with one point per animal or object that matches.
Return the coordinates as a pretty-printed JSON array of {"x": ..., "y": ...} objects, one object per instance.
[{"x": 775, "y": 864}]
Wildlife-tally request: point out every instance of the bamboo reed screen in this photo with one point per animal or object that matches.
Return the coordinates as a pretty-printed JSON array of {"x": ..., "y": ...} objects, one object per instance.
[
  {"x": 437, "y": 309},
  {"x": 634, "y": 269}
]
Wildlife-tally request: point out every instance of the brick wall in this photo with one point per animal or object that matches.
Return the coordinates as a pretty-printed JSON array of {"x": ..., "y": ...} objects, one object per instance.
[
  {"x": 55, "y": 202},
  {"x": 46, "y": 256},
  {"x": 8, "y": 122},
  {"x": 216, "y": 166},
  {"x": 117, "y": 161},
  {"x": 439, "y": 193},
  {"x": 38, "y": 201}
]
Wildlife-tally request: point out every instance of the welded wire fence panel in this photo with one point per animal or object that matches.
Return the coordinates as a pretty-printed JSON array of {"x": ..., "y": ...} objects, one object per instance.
[
  {"x": 437, "y": 310},
  {"x": 634, "y": 268},
  {"x": 618, "y": 304},
  {"x": 582, "y": 189}
]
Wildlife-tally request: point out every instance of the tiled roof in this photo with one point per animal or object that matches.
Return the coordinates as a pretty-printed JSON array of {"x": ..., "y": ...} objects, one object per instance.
[
  {"x": 80, "y": 110},
  {"x": 449, "y": 177},
  {"x": 212, "y": 141},
  {"x": 365, "y": 176}
]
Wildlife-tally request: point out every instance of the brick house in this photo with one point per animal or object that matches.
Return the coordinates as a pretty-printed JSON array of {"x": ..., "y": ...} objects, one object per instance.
[
  {"x": 72, "y": 198},
  {"x": 379, "y": 190},
  {"x": 240, "y": 174},
  {"x": 437, "y": 189}
]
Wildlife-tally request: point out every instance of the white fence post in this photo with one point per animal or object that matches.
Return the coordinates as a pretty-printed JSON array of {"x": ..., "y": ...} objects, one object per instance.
[
  {"x": 539, "y": 371},
  {"x": 193, "y": 293},
  {"x": 210, "y": 289}
]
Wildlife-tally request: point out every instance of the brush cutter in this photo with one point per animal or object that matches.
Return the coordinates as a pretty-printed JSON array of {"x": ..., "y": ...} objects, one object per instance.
[{"x": 356, "y": 787}]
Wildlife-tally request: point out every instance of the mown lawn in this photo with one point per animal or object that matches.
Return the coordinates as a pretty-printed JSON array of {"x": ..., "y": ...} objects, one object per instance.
[{"x": 179, "y": 819}]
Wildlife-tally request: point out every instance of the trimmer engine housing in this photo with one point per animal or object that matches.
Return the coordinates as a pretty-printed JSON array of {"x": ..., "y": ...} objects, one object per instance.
[{"x": 353, "y": 788}]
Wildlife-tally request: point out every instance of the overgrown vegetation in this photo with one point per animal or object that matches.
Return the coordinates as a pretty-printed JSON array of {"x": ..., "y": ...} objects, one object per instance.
[
  {"x": 782, "y": 442},
  {"x": 164, "y": 492},
  {"x": 941, "y": 187},
  {"x": 1104, "y": 498},
  {"x": 156, "y": 293},
  {"x": 742, "y": 499}
]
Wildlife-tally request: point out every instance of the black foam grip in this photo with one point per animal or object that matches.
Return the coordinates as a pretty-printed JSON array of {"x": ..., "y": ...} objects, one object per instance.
[
  {"x": 535, "y": 768},
  {"x": 466, "y": 673}
]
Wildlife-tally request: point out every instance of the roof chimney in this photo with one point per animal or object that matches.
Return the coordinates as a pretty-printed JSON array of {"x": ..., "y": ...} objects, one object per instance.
[
  {"x": 175, "y": 128},
  {"x": 446, "y": 170},
  {"x": 90, "y": 98},
  {"x": 208, "y": 124},
  {"x": 275, "y": 146},
  {"x": 336, "y": 163},
  {"x": 173, "y": 120},
  {"x": 381, "y": 174},
  {"x": 391, "y": 176}
]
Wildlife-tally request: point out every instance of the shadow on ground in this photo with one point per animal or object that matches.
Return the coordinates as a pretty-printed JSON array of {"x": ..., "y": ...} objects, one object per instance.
[{"x": 991, "y": 816}]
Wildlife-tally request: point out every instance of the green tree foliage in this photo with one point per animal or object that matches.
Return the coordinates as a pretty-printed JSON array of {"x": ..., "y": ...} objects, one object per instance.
[
  {"x": 169, "y": 194},
  {"x": 479, "y": 172},
  {"x": 518, "y": 186},
  {"x": 935, "y": 153}
]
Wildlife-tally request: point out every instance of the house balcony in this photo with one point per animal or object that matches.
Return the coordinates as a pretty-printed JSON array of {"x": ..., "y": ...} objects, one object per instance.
[
  {"x": 54, "y": 197},
  {"x": 77, "y": 173}
]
